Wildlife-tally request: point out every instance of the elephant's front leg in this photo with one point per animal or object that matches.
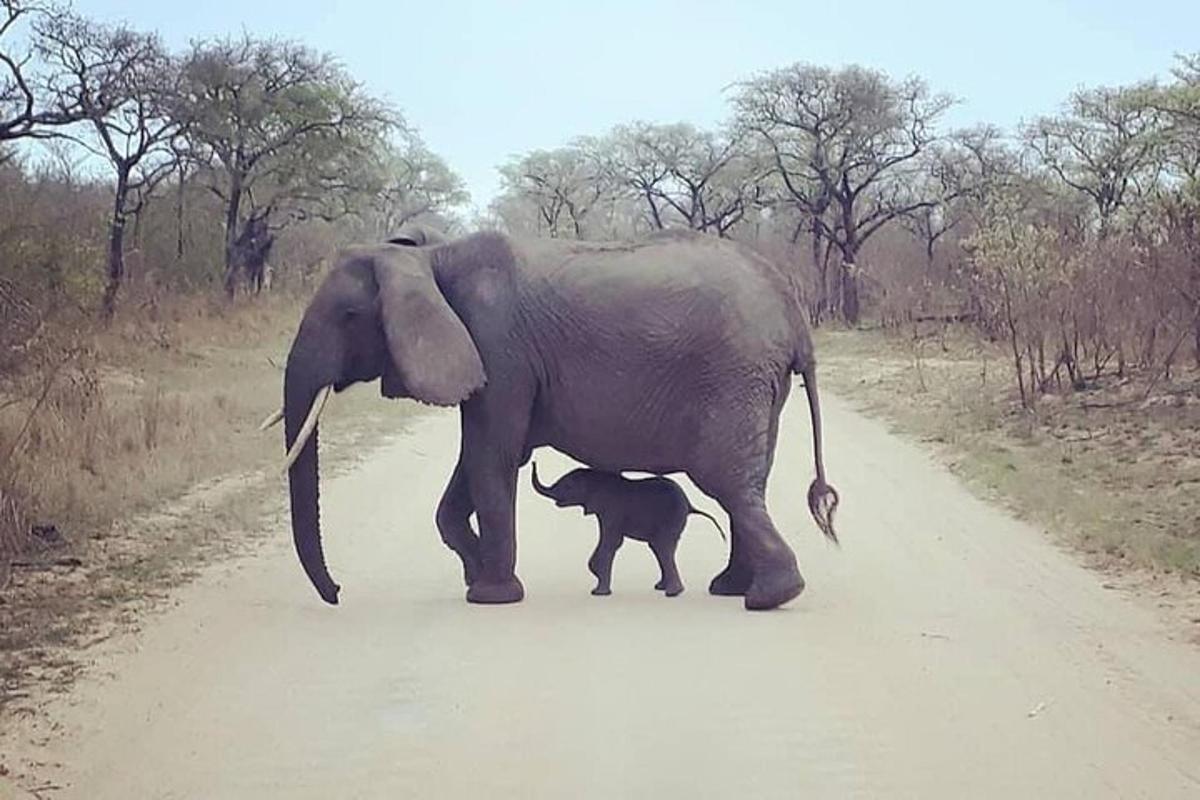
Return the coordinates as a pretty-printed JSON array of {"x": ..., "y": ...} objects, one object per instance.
[
  {"x": 493, "y": 490},
  {"x": 600, "y": 564},
  {"x": 494, "y": 427},
  {"x": 454, "y": 523}
]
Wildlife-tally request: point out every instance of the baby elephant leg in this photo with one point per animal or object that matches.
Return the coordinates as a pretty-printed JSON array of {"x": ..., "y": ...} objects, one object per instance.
[
  {"x": 664, "y": 552},
  {"x": 601, "y": 561}
]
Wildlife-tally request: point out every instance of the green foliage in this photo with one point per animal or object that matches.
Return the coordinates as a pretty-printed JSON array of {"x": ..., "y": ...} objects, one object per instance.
[{"x": 281, "y": 133}]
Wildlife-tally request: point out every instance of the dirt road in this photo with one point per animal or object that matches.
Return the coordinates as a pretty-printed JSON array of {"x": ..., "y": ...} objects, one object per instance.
[{"x": 945, "y": 651}]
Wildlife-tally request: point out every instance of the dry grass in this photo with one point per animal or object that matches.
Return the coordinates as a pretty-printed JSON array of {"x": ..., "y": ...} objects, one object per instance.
[
  {"x": 132, "y": 456},
  {"x": 1114, "y": 470},
  {"x": 105, "y": 415}
]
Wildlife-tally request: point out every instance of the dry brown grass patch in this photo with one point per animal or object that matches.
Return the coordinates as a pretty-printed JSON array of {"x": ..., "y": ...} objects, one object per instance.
[{"x": 1112, "y": 468}]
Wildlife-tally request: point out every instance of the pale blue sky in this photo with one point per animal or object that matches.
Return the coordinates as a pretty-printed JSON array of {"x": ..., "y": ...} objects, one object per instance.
[{"x": 485, "y": 80}]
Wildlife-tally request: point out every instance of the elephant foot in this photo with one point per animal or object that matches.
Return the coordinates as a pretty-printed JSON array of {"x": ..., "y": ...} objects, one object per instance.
[
  {"x": 733, "y": 581},
  {"x": 673, "y": 590},
  {"x": 492, "y": 592},
  {"x": 471, "y": 566},
  {"x": 772, "y": 588},
  {"x": 470, "y": 573},
  {"x": 601, "y": 591}
]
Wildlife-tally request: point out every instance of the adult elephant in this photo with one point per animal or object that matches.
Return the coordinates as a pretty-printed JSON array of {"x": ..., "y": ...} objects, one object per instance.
[{"x": 669, "y": 354}]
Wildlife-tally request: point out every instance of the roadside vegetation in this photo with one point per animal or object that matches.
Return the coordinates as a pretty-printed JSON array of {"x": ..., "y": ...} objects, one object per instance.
[
  {"x": 144, "y": 461},
  {"x": 1113, "y": 470},
  {"x": 163, "y": 217},
  {"x": 156, "y": 206}
]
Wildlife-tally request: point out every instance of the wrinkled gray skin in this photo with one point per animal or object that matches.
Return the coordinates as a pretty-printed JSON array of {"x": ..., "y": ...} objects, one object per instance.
[
  {"x": 650, "y": 510},
  {"x": 670, "y": 354}
]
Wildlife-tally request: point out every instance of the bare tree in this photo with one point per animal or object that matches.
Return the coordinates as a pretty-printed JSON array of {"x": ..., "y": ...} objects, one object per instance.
[
  {"x": 415, "y": 183},
  {"x": 635, "y": 159},
  {"x": 23, "y": 111},
  {"x": 1104, "y": 146},
  {"x": 958, "y": 173},
  {"x": 844, "y": 144},
  {"x": 563, "y": 185},
  {"x": 708, "y": 181},
  {"x": 119, "y": 80}
]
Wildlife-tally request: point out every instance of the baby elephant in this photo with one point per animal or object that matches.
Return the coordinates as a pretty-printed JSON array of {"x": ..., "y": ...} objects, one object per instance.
[{"x": 651, "y": 510}]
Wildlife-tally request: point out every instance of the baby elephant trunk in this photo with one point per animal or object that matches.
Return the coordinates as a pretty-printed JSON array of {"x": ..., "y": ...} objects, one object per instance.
[{"x": 541, "y": 488}]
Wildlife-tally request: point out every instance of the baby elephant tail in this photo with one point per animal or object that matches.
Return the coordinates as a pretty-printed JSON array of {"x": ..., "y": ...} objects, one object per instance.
[{"x": 693, "y": 510}]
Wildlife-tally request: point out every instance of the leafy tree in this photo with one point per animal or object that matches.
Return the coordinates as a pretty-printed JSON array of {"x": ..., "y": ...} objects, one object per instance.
[{"x": 281, "y": 129}]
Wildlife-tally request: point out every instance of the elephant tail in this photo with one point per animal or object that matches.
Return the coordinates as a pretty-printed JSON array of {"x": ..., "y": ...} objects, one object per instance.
[
  {"x": 693, "y": 510},
  {"x": 822, "y": 498}
]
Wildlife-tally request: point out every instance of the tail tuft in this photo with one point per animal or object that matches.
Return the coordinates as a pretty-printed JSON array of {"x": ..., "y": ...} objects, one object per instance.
[{"x": 822, "y": 503}]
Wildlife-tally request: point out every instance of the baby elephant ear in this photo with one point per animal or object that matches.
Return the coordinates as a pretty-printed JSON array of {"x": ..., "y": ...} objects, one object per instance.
[{"x": 430, "y": 347}]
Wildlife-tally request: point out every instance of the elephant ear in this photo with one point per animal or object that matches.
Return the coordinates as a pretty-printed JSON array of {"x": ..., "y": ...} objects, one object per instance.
[
  {"x": 417, "y": 236},
  {"x": 432, "y": 351}
]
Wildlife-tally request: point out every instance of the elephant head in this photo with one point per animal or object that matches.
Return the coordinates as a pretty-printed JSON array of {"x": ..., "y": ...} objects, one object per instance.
[
  {"x": 573, "y": 489},
  {"x": 378, "y": 314}
]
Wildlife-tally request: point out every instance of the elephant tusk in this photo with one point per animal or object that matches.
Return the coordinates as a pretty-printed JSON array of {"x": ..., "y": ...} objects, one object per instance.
[
  {"x": 310, "y": 424},
  {"x": 273, "y": 419}
]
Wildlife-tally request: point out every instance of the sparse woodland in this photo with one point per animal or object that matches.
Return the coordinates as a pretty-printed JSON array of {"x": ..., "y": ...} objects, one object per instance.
[
  {"x": 1074, "y": 239},
  {"x": 141, "y": 186},
  {"x": 147, "y": 196}
]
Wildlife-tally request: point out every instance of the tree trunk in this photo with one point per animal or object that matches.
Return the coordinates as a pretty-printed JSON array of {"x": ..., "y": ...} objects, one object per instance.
[
  {"x": 1196, "y": 333},
  {"x": 116, "y": 248},
  {"x": 849, "y": 280},
  {"x": 821, "y": 265},
  {"x": 1010, "y": 322},
  {"x": 231, "y": 231},
  {"x": 179, "y": 243},
  {"x": 848, "y": 275},
  {"x": 655, "y": 215}
]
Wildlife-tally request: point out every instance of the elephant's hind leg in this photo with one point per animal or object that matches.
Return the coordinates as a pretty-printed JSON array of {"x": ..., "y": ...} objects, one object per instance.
[
  {"x": 762, "y": 567},
  {"x": 664, "y": 552},
  {"x": 734, "y": 580},
  {"x": 734, "y": 470},
  {"x": 454, "y": 523},
  {"x": 776, "y": 577}
]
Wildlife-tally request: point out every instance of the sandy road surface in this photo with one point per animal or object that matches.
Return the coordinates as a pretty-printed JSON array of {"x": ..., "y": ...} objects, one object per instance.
[{"x": 946, "y": 651}]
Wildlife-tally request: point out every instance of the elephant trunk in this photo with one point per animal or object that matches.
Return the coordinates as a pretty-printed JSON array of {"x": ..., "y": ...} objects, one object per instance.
[
  {"x": 300, "y": 394},
  {"x": 541, "y": 488}
]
